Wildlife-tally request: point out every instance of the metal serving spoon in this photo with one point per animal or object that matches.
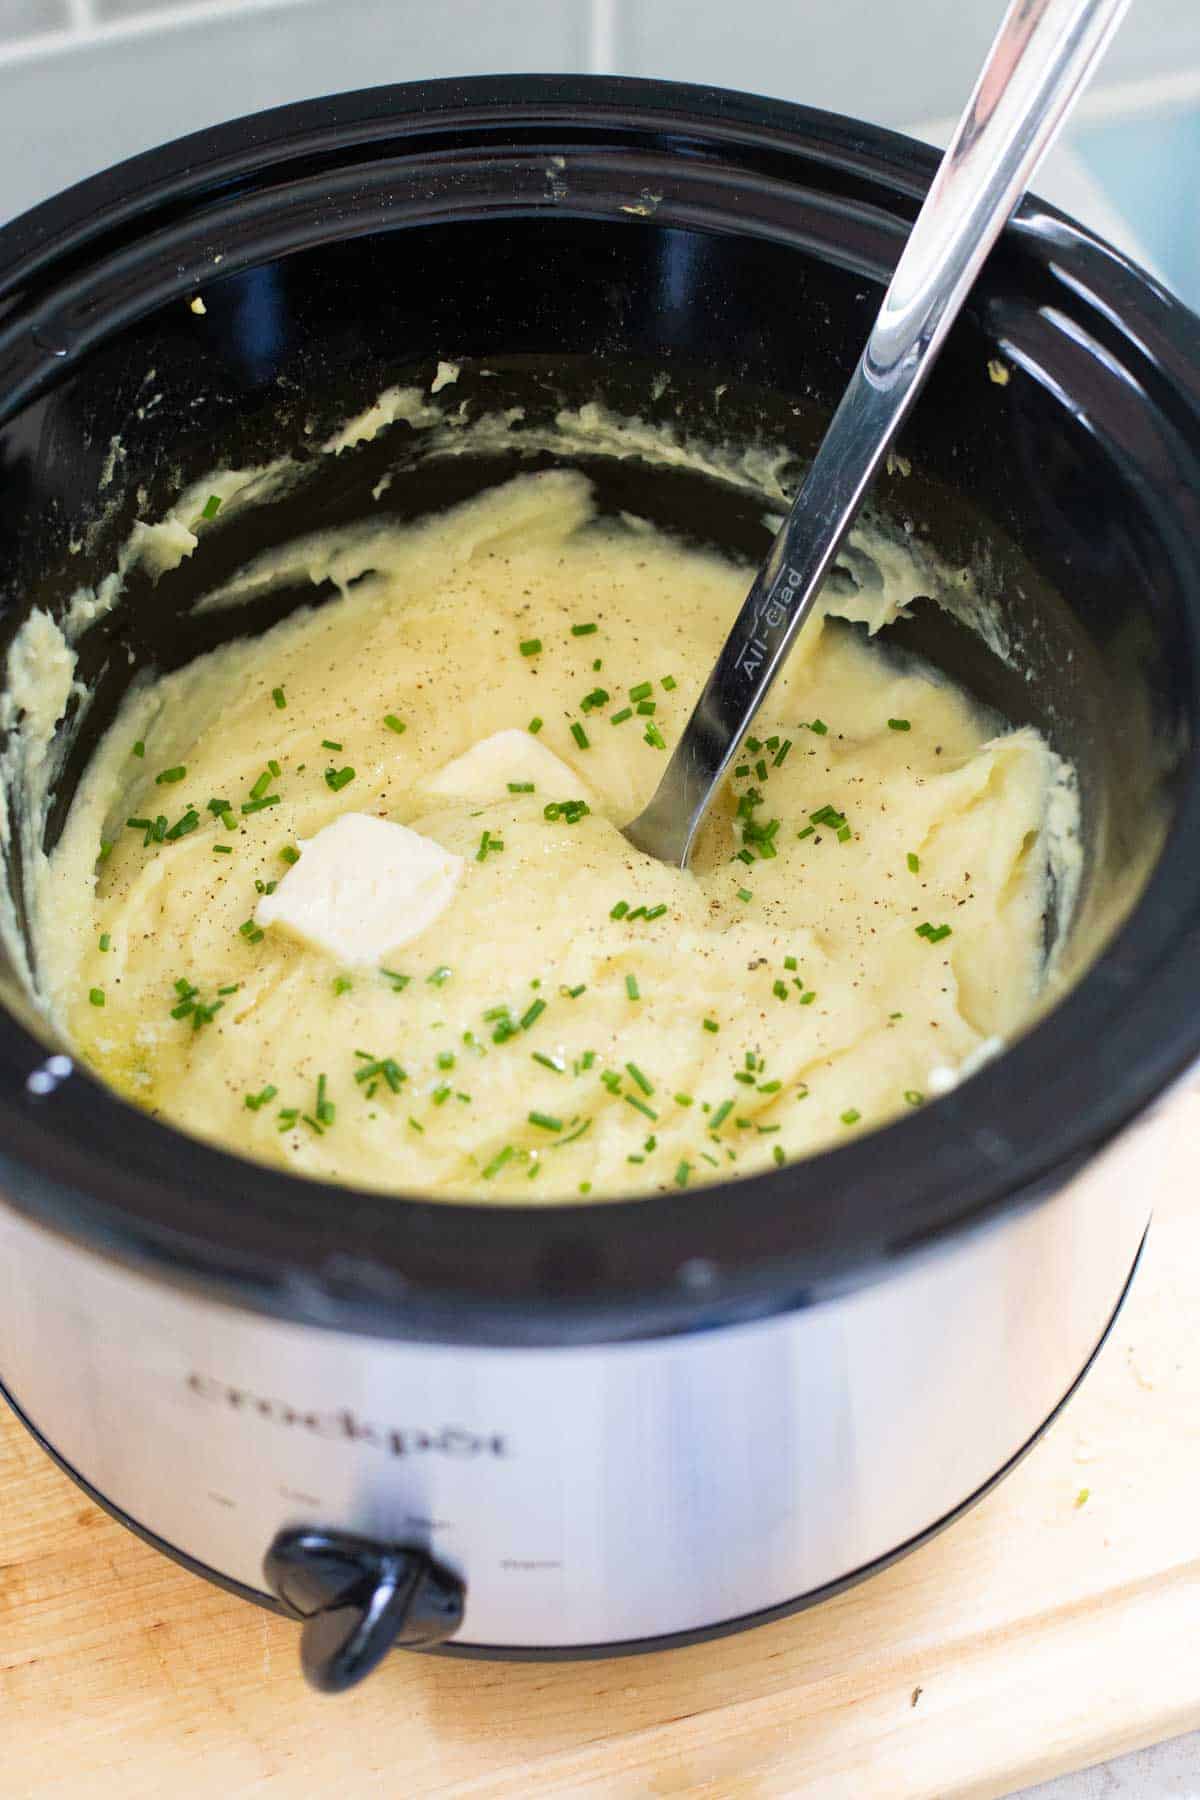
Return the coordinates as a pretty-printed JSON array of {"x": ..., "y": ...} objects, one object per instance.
[{"x": 1043, "y": 55}]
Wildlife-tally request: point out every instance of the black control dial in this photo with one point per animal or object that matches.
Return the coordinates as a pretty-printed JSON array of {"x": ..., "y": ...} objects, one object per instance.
[{"x": 358, "y": 1599}]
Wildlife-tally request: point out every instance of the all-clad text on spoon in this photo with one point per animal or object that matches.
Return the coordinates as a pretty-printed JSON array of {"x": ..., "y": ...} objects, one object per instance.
[{"x": 1041, "y": 59}]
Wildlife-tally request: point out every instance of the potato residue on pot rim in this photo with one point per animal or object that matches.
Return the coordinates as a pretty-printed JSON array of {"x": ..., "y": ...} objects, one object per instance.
[{"x": 863, "y": 924}]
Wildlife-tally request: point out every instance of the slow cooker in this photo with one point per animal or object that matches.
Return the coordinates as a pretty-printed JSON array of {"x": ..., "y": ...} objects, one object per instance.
[{"x": 574, "y": 1429}]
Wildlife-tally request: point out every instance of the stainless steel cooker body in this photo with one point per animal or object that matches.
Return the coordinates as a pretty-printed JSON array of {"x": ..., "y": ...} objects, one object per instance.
[{"x": 597, "y": 1496}]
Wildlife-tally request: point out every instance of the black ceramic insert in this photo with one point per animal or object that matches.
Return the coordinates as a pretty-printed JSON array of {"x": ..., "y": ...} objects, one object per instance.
[{"x": 569, "y": 241}]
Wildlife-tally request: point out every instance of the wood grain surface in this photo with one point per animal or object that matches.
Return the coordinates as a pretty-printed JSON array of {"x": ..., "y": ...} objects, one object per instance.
[{"x": 1035, "y": 1635}]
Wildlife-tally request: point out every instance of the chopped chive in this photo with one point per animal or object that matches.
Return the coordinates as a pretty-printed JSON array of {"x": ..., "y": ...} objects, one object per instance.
[
  {"x": 790, "y": 963},
  {"x": 335, "y": 779},
  {"x": 583, "y": 630},
  {"x": 166, "y": 777},
  {"x": 96, "y": 996},
  {"x": 521, "y": 787},
  {"x": 844, "y": 834},
  {"x": 781, "y": 753},
  {"x": 851, "y": 1116},
  {"x": 656, "y": 912},
  {"x": 807, "y": 998},
  {"x": 395, "y": 724},
  {"x": 328, "y": 744},
  {"x": 184, "y": 826},
  {"x": 325, "y": 1108},
  {"x": 418, "y": 1127},
  {"x": 640, "y": 1106},
  {"x": 498, "y": 1161},
  {"x": 265, "y": 800},
  {"x": 753, "y": 745},
  {"x": 440, "y": 975},
  {"x": 231, "y": 988},
  {"x": 545, "y": 1121},
  {"x": 744, "y": 1076},
  {"x": 106, "y": 850},
  {"x": 779, "y": 989},
  {"x": 645, "y": 1085},
  {"x": 742, "y": 769},
  {"x": 631, "y": 987},
  {"x": 819, "y": 726},
  {"x": 342, "y": 984},
  {"x": 899, "y": 724},
  {"x": 399, "y": 982},
  {"x": 530, "y": 646},
  {"x": 619, "y": 718},
  {"x": 769, "y": 1087},
  {"x": 777, "y": 1153},
  {"x": 682, "y": 1172},
  {"x": 573, "y": 993},
  {"x": 274, "y": 768},
  {"x": 550, "y": 1062},
  {"x": 570, "y": 811},
  {"x": 670, "y": 683},
  {"x": 139, "y": 749},
  {"x": 914, "y": 863},
  {"x": 441, "y": 1094},
  {"x": 256, "y": 1101},
  {"x": 576, "y": 1132},
  {"x": 895, "y": 1015},
  {"x": 279, "y": 697},
  {"x": 933, "y": 934},
  {"x": 211, "y": 507},
  {"x": 914, "y": 1096},
  {"x": 262, "y": 784},
  {"x": 105, "y": 940},
  {"x": 619, "y": 910},
  {"x": 719, "y": 1117},
  {"x": 228, "y": 819},
  {"x": 252, "y": 933},
  {"x": 646, "y": 707},
  {"x": 532, "y": 1016},
  {"x": 684, "y": 1099},
  {"x": 807, "y": 832},
  {"x": 711, "y": 1025},
  {"x": 653, "y": 736},
  {"x": 597, "y": 698},
  {"x": 222, "y": 849},
  {"x": 534, "y": 726},
  {"x": 760, "y": 769},
  {"x": 290, "y": 854},
  {"x": 579, "y": 734},
  {"x": 597, "y": 665},
  {"x": 642, "y": 691},
  {"x": 744, "y": 894}
]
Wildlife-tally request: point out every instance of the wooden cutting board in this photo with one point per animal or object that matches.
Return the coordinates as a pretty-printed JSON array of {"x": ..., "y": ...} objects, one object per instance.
[{"x": 1036, "y": 1635}]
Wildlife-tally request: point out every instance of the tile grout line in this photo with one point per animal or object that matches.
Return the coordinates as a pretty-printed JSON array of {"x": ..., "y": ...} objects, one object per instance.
[
  {"x": 86, "y": 30},
  {"x": 602, "y": 38}
]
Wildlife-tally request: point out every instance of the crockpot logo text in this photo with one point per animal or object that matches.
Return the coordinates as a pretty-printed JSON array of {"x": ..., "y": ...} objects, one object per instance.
[{"x": 450, "y": 1440}]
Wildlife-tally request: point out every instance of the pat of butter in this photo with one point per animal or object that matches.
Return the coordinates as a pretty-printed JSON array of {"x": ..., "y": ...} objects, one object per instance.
[
  {"x": 363, "y": 886},
  {"x": 484, "y": 771}
]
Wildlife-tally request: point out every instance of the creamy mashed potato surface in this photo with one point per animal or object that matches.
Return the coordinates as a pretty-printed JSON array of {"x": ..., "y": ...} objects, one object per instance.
[{"x": 864, "y": 915}]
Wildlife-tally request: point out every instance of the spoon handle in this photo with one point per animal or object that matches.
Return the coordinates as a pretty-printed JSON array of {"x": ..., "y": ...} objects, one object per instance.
[{"x": 1042, "y": 56}]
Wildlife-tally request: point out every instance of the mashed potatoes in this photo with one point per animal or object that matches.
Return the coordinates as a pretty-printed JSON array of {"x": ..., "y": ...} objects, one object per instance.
[{"x": 864, "y": 914}]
